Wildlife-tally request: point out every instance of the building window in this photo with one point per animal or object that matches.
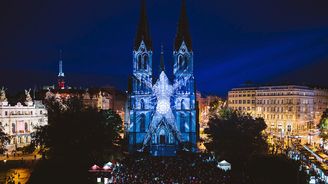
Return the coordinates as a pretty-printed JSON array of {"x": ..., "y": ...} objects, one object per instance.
[
  {"x": 139, "y": 62},
  {"x": 6, "y": 113},
  {"x": 145, "y": 60},
  {"x": 183, "y": 106},
  {"x": 142, "y": 104},
  {"x": 183, "y": 62},
  {"x": 142, "y": 123},
  {"x": 182, "y": 123},
  {"x": 13, "y": 126},
  {"x": 26, "y": 127}
]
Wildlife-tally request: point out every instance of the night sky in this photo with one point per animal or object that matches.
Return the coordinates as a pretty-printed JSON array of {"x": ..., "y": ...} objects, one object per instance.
[{"x": 234, "y": 41}]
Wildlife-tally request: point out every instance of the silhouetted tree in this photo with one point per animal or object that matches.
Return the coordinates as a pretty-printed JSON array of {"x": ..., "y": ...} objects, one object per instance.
[
  {"x": 236, "y": 136},
  {"x": 323, "y": 126},
  {"x": 4, "y": 139},
  {"x": 265, "y": 169},
  {"x": 76, "y": 138}
]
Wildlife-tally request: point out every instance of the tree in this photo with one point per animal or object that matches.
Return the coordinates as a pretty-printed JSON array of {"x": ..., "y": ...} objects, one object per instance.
[
  {"x": 265, "y": 169},
  {"x": 76, "y": 137},
  {"x": 216, "y": 107},
  {"x": 4, "y": 140},
  {"x": 323, "y": 126},
  {"x": 236, "y": 136}
]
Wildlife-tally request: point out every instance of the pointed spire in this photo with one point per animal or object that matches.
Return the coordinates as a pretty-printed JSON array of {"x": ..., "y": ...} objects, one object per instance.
[
  {"x": 183, "y": 33},
  {"x": 61, "y": 73},
  {"x": 162, "y": 66},
  {"x": 143, "y": 33}
]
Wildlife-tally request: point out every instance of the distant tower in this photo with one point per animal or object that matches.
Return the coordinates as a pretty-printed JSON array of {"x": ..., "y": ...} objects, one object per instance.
[{"x": 61, "y": 75}]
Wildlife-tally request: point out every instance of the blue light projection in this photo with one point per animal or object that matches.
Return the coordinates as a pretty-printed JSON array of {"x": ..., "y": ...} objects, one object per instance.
[{"x": 163, "y": 115}]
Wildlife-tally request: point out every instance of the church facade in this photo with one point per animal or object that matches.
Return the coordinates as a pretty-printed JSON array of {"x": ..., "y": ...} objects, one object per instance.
[{"x": 162, "y": 114}]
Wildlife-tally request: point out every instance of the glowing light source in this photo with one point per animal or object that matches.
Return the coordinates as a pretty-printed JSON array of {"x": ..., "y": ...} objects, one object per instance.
[{"x": 163, "y": 106}]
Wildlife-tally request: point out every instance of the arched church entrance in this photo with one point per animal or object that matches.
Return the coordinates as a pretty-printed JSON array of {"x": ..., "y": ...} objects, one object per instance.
[{"x": 162, "y": 137}]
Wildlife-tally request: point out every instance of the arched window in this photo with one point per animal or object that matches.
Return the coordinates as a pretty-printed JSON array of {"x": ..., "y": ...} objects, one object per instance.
[
  {"x": 142, "y": 123},
  {"x": 139, "y": 62},
  {"x": 182, "y": 123},
  {"x": 26, "y": 127},
  {"x": 142, "y": 104},
  {"x": 13, "y": 126},
  {"x": 141, "y": 85},
  {"x": 145, "y": 61},
  {"x": 183, "y": 106},
  {"x": 184, "y": 63},
  {"x": 180, "y": 61}
]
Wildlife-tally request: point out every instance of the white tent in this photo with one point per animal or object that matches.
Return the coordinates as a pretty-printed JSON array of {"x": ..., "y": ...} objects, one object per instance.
[{"x": 224, "y": 165}]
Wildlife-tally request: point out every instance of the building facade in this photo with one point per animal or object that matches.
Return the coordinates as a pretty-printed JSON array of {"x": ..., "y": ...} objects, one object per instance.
[
  {"x": 288, "y": 108},
  {"x": 98, "y": 98},
  {"x": 162, "y": 115},
  {"x": 320, "y": 103},
  {"x": 20, "y": 120},
  {"x": 204, "y": 105}
]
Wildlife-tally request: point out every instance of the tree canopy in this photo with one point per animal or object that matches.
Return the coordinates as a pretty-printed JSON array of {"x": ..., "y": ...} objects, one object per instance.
[
  {"x": 4, "y": 140},
  {"x": 236, "y": 136},
  {"x": 77, "y": 137},
  {"x": 323, "y": 125}
]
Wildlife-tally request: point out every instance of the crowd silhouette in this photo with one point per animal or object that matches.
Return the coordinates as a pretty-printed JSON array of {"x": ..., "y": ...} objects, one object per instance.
[{"x": 193, "y": 169}]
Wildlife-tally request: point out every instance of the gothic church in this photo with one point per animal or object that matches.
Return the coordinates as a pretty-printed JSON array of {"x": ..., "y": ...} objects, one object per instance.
[{"x": 162, "y": 114}]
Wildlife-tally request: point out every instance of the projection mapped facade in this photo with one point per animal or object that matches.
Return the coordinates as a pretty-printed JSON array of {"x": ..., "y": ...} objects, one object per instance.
[{"x": 162, "y": 114}]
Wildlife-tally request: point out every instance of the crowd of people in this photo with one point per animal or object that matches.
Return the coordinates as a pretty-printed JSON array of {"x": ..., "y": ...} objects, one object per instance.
[{"x": 193, "y": 169}]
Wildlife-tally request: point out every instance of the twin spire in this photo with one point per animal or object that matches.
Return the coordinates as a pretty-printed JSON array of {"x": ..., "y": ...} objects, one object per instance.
[
  {"x": 183, "y": 34},
  {"x": 143, "y": 33}
]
